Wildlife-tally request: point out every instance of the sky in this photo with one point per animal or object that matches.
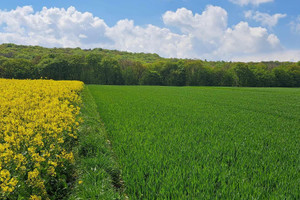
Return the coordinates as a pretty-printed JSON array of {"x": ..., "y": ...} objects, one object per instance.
[{"x": 229, "y": 30}]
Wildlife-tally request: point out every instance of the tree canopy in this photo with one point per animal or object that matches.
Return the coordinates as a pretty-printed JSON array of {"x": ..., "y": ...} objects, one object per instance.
[{"x": 112, "y": 67}]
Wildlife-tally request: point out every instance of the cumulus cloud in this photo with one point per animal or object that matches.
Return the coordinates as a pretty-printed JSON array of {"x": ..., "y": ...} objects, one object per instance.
[
  {"x": 253, "y": 2},
  {"x": 264, "y": 18},
  {"x": 204, "y": 36},
  {"x": 52, "y": 27},
  {"x": 128, "y": 37},
  {"x": 59, "y": 27},
  {"x": 213, "y": 39},
  {"x": 204, "y": 29},
  {"x": 244, "y": 40}
]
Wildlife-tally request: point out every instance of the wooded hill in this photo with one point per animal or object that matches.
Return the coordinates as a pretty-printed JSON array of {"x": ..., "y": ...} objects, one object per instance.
[{"x": 112, "y": 67}]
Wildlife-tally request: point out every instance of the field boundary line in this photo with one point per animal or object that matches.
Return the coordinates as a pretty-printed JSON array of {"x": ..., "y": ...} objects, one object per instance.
[{"x": 98, "y": 173}]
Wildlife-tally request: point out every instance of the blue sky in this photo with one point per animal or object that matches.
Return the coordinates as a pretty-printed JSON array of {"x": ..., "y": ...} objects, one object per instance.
[{"x": 245, "y": 30}]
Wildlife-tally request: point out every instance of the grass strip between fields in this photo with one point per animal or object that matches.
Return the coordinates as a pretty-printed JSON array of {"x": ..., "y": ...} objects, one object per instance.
[{"x": 98, "y": 173}]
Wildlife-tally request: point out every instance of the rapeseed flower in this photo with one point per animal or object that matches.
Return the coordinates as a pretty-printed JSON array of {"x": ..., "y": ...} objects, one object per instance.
[{"x": 38, "y": 122}]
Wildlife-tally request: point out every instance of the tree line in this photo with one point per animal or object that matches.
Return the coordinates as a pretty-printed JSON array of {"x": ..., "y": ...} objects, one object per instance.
[{"x": 108, "y": 67}]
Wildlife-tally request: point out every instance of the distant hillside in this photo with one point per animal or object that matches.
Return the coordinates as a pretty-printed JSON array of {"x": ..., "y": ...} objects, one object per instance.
[
  {"x": 112, "y": 67},
  {"x": 29, "y": 52}
]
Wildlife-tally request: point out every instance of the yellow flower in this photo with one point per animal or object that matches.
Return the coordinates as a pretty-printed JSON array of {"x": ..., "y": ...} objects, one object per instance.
[
  {"x": 51, "y": 171},
  {"x": 33, "y": 174},
  {"x": 36, "y": 118},
  {"x": 35, "y": 197}
]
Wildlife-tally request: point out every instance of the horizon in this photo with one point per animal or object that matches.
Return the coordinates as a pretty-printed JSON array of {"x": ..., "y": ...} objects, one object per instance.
[
  {"x": 231, "y": 30},
  {"x": 192, "y": 59}
]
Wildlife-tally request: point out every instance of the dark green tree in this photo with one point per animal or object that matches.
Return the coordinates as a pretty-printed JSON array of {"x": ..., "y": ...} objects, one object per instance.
[
  {"x": 283, "y": 77},
  {"x": 172, "y": 73},
  {"x": 132, "y": 71},
  {"x": 17, "y": 68},
  {"x": 244, "y": 76},
  {"x": 110, "y": 72},
  {"x": 198, "y": 74},
  {"x": 151, "y": 78},
  {"x": 57, "y": 68}
]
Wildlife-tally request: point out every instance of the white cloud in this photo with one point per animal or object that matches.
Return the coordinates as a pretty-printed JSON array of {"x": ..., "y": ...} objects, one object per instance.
[
  {"x": 264, "y": 18},
  {"x": 213, "y": 39},
  {"x": 128, "y": 37},
  {"x": 283, "y": 55},
  {"x": 213, "y": 17},
  {"x": 52, "y": 27},
  {"x": 204, "y": 36},
  {"x": 253, "y": 2},
  {"x": 205, "y": 29},
  {"x": 70, "y": 28},
  {"x": 244, "y": 40},
  {"x": 295, "y": 25}
]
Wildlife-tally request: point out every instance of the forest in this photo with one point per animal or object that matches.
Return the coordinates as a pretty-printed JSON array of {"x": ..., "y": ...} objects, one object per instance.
[{"x": 112, "y": 67}]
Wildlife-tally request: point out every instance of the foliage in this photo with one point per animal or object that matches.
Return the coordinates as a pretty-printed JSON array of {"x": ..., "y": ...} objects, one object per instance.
[
  {"x": 38, "y": 126},
  {"x": 111, "y": 67},
  {"x": 151, "y": 78},
  {"x": 204, "y": 142}
]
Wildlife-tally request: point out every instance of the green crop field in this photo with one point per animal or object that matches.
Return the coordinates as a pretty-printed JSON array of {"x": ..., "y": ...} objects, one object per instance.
[{"x": 204, "y": 142}]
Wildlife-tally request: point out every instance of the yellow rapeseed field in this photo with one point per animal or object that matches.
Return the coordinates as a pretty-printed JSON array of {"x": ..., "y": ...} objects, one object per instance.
[{"x": 38, "y": 124}]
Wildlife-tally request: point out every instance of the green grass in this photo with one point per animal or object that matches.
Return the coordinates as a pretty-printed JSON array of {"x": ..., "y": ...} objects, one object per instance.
[
  {"x": 97, "y": 169},
  {"x": 204, "y": 142}
]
